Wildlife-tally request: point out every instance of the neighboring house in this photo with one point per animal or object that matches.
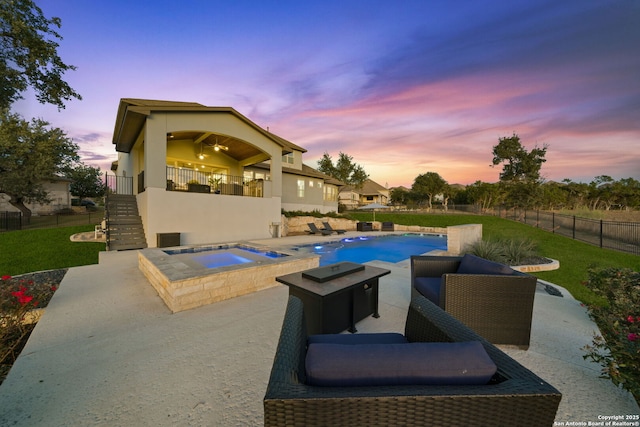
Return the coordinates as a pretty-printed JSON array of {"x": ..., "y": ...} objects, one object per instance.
[
  {"x": 371, "y": 192},
  {"x": 58, "y": 190},
  {"x": 210, "y": 173}
]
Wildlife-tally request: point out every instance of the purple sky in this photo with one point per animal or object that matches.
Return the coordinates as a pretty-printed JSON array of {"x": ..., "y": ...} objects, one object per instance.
[{"x": 403, "y": 87}]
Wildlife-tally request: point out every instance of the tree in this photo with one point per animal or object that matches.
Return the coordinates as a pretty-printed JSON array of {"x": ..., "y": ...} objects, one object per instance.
[
  {"x": 399, "y": 196},
  {"x": 449, "y": 192},
  {"x": 483, "y": 194},
  {"x": 29, "y": 154},
  {"x": 28, "y": 55},
  {"x": 520, "y": 176},
  {"x": 344, "y": 170},
  {"x": 427, "y": 186},
  {"x": 518, "y": 165},
  {"x": 86, "y": 181}
]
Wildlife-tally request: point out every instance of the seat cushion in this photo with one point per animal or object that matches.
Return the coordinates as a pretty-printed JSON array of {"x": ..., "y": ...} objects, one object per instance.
[
  {"x": 353, "y": 339},
  {"x": 434, "y": 363},
  {"x": 429, "y": 287},
  {"x": 471, "y": 264}
]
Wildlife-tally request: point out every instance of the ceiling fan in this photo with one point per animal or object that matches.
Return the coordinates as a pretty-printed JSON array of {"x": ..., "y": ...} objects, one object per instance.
[{"x": 216, "y": 147}]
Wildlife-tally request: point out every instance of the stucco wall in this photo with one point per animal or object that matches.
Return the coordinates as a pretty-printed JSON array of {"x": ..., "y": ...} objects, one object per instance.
[
  {"x": 58, "y": 193},
  {"x": 206, "y": 218}
]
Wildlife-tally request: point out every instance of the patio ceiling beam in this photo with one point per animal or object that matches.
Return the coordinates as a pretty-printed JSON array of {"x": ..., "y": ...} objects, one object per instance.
[{"x": 202, "y": 137}]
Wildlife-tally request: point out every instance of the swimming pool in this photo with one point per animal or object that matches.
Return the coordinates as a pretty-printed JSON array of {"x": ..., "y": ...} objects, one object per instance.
[{"x": 389, "y": 248}]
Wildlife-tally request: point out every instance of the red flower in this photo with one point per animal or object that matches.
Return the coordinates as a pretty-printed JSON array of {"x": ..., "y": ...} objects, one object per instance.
[
  {"x": 22, "y": 298},
  {"x": 54, "y": 288},
  {"x": 6, "y": 277},
  {"x": 630, "y": 319},
  {"x": 632, "y": 337}
]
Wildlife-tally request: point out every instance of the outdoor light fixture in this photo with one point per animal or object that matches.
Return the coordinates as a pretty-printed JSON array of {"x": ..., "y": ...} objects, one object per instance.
[{"x": 218, "y": 147}]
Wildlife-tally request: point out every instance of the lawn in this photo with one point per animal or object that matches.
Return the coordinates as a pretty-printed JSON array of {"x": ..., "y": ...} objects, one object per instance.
[
  {"x": 34, "y": 250},
  {"x": 575, "y": 257}
]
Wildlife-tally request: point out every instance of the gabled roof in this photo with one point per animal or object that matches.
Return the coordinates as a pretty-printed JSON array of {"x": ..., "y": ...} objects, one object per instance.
[
  {"x": 132, "y": 115},
  {"x": 369, "y": 188}
]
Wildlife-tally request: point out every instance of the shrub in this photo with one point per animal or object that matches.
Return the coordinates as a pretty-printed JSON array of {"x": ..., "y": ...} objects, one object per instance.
[
  {"x": 315, "y": 213},
  {"x": 506, "y": 251},
  {"x": 617, "y": 349},
  {"x": 517, "y": 251},
  {"x": 487, "y": 249}
]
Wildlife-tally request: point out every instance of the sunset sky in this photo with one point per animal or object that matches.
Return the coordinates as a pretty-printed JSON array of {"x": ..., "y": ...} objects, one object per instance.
[{"x": 404, "y": 87}]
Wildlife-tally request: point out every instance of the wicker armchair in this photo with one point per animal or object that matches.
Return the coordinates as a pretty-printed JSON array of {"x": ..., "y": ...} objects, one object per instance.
[
  {"x": 516, "y": 396},
  {"x": 498, "y": 307}
]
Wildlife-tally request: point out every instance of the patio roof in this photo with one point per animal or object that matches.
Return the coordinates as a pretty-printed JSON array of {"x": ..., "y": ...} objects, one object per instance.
[{"x": 132, "y": 114}]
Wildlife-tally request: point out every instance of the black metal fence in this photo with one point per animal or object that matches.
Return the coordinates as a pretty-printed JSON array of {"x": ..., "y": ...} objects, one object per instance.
[
  {"x": 617, "y": 235},
  {"x": 10, "y": 221}
]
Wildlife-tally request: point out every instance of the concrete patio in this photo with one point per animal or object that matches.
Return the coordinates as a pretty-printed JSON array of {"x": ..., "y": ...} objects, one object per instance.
[{"x": 109, "y": 352}]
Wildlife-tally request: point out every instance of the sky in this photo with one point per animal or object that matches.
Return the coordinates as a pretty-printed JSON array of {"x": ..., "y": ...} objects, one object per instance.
[{"x": 403, "y": 87}]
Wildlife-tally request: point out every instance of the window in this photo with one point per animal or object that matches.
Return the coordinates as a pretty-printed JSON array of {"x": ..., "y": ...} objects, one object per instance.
[
  {"x": 301, "y": 188},
  {"x": 330, "y": 193},
  {"x": 310, "y": 184},
  {"x": 288, "y": 158}
]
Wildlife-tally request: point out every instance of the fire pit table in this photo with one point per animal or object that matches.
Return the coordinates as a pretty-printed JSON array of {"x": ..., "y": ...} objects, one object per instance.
[{"x": 336, "y": 296}]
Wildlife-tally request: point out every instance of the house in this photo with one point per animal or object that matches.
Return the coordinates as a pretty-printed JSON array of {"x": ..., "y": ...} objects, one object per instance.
[
  {"x": 371, "y": 192},
  {"x": 210, "y": 173},
  {"x": 58, "y": 191}
]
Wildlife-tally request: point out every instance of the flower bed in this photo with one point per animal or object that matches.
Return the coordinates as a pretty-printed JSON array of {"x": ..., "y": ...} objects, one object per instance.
[
  {"x": 617, "y": 350},
  {"x": 21, "y": 301}
]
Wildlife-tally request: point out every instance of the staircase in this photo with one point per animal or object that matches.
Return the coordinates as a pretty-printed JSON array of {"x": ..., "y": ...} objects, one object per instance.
[{"x": 124, "y": 225}]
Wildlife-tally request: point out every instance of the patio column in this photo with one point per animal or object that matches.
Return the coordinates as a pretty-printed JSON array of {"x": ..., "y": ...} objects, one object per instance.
[{"x": 155, "y": 153}]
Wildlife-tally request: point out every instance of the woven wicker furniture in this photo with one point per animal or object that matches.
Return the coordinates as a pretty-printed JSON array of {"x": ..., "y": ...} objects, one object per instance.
[
  {"x": 498, "y": 307},
  {"x": 518, "y": 396}
]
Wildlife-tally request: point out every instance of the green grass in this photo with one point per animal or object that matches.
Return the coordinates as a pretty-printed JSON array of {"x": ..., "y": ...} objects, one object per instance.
[
  {"x": 29, "y": 251},
  {"x": 575, "y": 257}
]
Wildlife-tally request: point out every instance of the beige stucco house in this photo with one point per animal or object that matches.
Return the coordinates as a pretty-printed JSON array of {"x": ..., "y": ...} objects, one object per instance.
[
  {"x": 210, "y": 173},
  {"x": 371, "y": 192},
  {"x": 58, "y": 191}
]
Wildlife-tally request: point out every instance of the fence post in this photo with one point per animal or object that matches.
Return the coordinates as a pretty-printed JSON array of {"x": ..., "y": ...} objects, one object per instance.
[
  {"x": 553, "y": 222},
  {"x": 601, "y": 229},
  {"x": 574, "y": 227}
]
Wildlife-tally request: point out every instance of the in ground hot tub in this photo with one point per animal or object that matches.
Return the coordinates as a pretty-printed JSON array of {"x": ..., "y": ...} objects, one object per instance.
[{"x": 189, "y": 277}]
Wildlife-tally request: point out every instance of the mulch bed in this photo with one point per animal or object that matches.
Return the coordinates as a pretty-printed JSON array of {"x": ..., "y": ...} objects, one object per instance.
[{"x": 43, "y": 284}]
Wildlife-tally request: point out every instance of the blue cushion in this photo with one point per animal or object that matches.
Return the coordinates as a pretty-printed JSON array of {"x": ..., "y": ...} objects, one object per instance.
[
  {"x": 353, "y": 339},
  {"x": 429, "y": 287},
  {"x": 434, "y": 363},
  {"x": 472, "y": 264}
]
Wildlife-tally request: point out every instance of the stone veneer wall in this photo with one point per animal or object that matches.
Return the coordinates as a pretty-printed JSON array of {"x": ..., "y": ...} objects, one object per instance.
[
  {"x": 194, "y": 292},
  {"x": 461, "y": 237}
]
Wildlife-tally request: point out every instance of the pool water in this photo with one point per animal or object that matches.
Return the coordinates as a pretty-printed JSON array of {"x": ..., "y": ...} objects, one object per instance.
[
  {"x": 394, "y": 248},
  {"x": 222, "y": 259},
  {"x": 222, "y": 255}
]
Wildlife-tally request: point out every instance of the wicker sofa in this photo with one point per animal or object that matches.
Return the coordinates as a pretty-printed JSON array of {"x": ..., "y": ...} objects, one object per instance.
[
  {"x": 492, "y": 299},
  {"x": 516, "y": 395}
]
